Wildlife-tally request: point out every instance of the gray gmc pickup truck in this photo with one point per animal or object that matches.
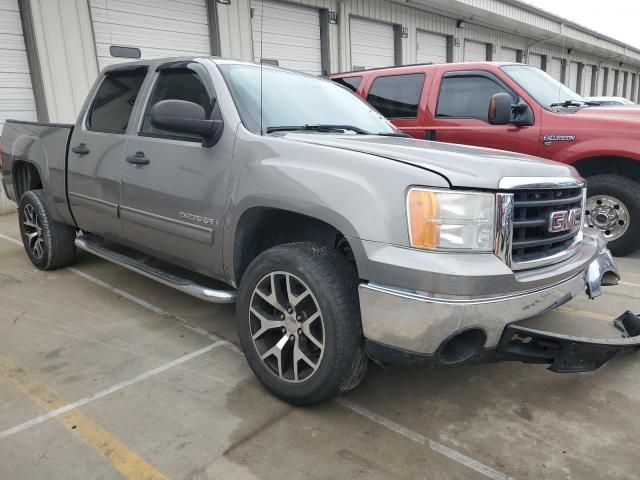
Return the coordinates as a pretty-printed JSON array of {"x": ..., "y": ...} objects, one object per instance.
[{"x": 340, "y": 239}]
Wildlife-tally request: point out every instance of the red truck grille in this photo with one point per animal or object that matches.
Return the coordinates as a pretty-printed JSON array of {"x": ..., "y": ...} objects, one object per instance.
[{"x": 545, "y": 223}]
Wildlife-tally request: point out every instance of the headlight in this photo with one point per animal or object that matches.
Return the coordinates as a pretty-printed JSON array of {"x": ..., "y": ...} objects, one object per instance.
[{"x": 451, "y": 220}]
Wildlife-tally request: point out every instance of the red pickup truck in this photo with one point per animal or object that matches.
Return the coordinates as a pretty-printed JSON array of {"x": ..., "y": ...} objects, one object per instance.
[{"x": 520, "y": 108}]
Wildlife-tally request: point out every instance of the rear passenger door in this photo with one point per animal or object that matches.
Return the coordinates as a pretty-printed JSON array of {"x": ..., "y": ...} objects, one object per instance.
[
  {"x": 399, "y": 98},
  {"x": 458, "y": 112},
  {"x": 96, "y": 152},
  {"x": 174, "y": 189}
]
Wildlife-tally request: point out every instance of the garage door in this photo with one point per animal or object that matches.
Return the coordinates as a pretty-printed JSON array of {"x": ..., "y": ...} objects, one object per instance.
[
  {"x": 159, "y": 28},
  {"x": 535, "y": 60},
  {"x": 508, "y": 55},
  {"x": 16, "y": 94},
  {"x": 573, "y": 76},
  {"x": 432, "y": 48},
  {"x": 372, "y": 44},
  {"x": 290, "y": 35},
  {"x": 475, "y": 51},
  {"x": 555, "y": 69},
  {"x": 587, "y": 78},
  {"x": 614, "y": 76}
]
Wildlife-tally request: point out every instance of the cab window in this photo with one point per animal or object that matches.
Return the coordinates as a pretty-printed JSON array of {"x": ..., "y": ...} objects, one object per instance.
[
  {"x": 176, "y": 84},
  {"x": 467, "y": 97},
  {"x": 397, "y": 96},
  {"x": 112, "y": 106}
]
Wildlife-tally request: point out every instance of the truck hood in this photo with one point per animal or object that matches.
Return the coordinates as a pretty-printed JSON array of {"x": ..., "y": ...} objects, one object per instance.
[
  {"x": 461, "y": 165},
  {"x": 621, "y": 113}
]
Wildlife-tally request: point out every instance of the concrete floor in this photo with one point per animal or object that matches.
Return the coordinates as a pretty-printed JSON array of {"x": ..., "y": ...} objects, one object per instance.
[{"x": 105, "y": 374}]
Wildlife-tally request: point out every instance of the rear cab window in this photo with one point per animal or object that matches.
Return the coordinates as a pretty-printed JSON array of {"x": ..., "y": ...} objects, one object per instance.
[
  {"x": 113, "y": 103},
  {"x": 397, "y": 96}
]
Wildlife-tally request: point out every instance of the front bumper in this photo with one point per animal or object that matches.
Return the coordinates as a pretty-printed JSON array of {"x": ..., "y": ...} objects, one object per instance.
[{"x": 421, "y": 323}]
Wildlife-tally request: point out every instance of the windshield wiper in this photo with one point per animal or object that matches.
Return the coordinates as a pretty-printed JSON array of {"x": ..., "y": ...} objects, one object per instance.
[
  {"x": 317, "y": 128},
  {"x": 574, "y": 103}
]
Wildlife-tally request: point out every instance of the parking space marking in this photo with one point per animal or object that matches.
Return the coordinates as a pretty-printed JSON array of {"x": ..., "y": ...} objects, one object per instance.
[
  {"x": 7, "y": 371},
  {"x": 421, "y": 439},
  {"x": 637, "y": 285},
  {"x": 131, "y": 465},
  {"x": 586, "y": 313}
]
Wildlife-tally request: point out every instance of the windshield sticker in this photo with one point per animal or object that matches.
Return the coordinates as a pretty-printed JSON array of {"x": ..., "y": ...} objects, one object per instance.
[{"x": 549, "y": 139}]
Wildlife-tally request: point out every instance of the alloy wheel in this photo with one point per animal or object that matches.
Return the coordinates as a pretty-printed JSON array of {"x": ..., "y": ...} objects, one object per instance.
[
  {"x": 33, "y": 231},
  {"x": 287, "y": 327}
]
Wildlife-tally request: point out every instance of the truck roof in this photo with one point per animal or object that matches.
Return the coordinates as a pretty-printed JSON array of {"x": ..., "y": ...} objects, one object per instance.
[
  {"x": 421, "y": 67},
  {"x": 160, "y": 61}
]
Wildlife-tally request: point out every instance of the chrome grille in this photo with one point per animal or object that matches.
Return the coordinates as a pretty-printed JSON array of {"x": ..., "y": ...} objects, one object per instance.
[{"x": 532, "y": 242}]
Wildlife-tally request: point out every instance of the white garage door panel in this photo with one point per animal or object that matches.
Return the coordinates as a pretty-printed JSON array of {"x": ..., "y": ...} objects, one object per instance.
[
  {"x": 160, "y": 28},
  {"x": 535, "y": 60},
  {"x": 587, "y": 76},
  {"x": 555, "y": 68},
  {"x": 475, "y": 51},
  {"x": 16, "y": 94},
  {"x": 372, "y": 44},
  {"x": 573, "y": 76},
  {"x": 508, "y": 55},
  {"x": 287, "y": 33},
  {"x": 431, "y": 48}
]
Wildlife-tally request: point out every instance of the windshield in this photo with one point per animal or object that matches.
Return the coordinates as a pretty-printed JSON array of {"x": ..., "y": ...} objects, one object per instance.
[
  {"x": 291, "y": 99},
  {"x": 544, "y": 89}
]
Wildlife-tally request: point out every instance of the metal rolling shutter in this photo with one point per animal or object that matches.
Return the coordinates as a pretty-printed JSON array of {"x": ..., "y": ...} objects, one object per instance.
[
  {"x": 372, "y": 44},
  {"x": 475, "y": 51},
  {"x": 16, "y": 93},
  {"x": 612, "y": 82},
  {"x": 587, "y": 78},
  {"x": 432, "y": 47},
  {"x": 535, "y": 60},
  {"x": 508, "y": 55},
  {"x": 159, "y": 28},
  {"x": 573, "y": 76},
  {"x": 290, "y": 35},
  {"x": 555, "y": 69}
]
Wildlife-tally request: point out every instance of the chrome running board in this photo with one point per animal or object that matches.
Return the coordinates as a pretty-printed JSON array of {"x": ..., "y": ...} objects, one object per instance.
[{"x": 93, "y": 245}]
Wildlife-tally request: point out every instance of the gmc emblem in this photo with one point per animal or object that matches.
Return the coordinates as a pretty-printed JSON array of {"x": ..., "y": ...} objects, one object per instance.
[{"x": 565, "y": 220}]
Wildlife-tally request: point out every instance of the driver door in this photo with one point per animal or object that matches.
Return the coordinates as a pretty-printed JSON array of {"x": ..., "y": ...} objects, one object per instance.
[
  {"x": 460, "y": 114},
  {"x": 174, "y": 189}
]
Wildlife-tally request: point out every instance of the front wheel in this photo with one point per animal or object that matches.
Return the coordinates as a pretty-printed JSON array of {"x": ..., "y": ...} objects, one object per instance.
[
  {"x": 299, "y": 323},
  {"x": 613, "y": 207}
]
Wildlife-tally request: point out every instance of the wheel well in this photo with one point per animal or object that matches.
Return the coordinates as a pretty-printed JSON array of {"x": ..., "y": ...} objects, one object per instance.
[
  {"x": 588, "y": 167},
  {"x": 25, "y": 177},
  {"x": 262, "y": 228}
]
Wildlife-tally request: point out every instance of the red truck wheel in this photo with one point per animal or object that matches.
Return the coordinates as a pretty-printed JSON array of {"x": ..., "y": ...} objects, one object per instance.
[{"x": 613, "y": 207}]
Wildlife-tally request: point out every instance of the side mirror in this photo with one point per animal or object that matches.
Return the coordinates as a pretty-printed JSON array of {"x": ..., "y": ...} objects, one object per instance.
[
  {"x": 186, "y": 117},
  {"x": 502, "y": 111}
]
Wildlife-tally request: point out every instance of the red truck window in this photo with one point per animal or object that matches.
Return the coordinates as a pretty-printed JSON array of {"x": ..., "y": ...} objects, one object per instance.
[
  {"x": 397, "y": 96},
  {"x": 352, "y": 83},
  {"x": 466, "y": 96}
]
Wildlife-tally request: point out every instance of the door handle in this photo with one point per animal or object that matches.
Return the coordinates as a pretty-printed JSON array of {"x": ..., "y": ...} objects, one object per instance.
[
  {"x": 138, "y": 159},
  {"x": 81, "y": 149}
]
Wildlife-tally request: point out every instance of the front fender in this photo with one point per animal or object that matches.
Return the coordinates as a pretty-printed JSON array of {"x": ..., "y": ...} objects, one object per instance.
[{"x": 360, "y": 195}]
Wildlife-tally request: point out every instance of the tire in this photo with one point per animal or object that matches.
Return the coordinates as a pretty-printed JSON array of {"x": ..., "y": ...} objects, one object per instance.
[
  {"x": 618, "y": 198},
  {"x": 49, "y": 244},
  {"x": 325, "y": 285}
]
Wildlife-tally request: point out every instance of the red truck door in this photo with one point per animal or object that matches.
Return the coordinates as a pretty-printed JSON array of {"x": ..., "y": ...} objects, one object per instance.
[{"x": 457, "y": 111}]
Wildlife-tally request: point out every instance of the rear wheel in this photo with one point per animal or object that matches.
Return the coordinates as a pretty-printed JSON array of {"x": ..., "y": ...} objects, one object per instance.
[
  {"x": 613, "y": 207},
  {"x": 49, "y": 244},
  {"x": 299, "y": 323}
]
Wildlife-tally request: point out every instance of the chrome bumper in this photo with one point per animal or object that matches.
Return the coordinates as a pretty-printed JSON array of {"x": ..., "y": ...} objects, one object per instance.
[{"x": 418, "y": 322}]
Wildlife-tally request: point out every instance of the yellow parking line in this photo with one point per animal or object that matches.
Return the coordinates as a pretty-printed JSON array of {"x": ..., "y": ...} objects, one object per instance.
[
  {"x": 131, "y": 465},
  {"x": 585, "y": 313}
]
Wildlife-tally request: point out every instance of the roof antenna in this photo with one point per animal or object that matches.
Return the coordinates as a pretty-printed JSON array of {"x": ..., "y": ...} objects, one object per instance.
[{"x": 261, "y": 64}]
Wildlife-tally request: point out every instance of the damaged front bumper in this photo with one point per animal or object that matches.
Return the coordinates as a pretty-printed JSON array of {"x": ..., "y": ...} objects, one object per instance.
[
  {"x": 417, "y": 328},
  {"x": 566, "y": 353}
]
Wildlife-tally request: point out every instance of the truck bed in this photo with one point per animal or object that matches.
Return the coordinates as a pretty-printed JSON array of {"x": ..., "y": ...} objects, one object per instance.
[{"x": 43, "y": 146}]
